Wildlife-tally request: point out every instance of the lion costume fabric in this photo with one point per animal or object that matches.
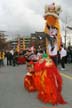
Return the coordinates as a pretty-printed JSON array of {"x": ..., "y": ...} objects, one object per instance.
[{"x": 48, "y": 82}]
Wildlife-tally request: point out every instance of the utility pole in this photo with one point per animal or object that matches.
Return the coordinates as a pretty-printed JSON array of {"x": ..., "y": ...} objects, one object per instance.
[{"x": 65, "y": 37}]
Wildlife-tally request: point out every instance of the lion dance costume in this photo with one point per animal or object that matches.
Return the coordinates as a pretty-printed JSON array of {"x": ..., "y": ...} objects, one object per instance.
[
  {"x": 44, "y": 76},
  {"x": 52, "y": 26}
]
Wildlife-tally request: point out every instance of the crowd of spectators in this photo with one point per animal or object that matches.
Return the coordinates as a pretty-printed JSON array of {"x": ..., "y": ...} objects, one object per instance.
[{"x": 11, "y": 56}]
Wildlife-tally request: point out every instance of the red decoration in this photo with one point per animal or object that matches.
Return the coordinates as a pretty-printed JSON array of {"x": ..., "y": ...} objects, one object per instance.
[{"x": 47, "y": 80}]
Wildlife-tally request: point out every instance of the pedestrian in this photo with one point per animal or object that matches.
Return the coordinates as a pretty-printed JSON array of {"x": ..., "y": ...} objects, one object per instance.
[
  {"x": 8, "y": 57},
  {"x": 63, "y": 54},
  {"x": 11, "y": 56}
]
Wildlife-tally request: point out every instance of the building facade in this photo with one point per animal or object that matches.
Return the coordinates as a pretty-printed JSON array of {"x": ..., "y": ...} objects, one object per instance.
[{"x": 36, "y": 39}]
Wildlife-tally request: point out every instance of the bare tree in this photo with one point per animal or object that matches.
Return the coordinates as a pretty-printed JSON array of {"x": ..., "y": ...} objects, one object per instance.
[{"x": 3, "y": 42}]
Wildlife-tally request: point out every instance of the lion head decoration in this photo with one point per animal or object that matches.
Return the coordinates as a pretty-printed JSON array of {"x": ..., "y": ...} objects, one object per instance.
[{"x": 52, "y": 26}]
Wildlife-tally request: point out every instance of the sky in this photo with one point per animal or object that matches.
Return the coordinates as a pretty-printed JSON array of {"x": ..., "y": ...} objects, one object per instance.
[{"x": 26, "y": 16}]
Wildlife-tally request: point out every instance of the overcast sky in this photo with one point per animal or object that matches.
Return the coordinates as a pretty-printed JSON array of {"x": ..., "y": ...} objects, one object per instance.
[{"x": 26, "y": 16}]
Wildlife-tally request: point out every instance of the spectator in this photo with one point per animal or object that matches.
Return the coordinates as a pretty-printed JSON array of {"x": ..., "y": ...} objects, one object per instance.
[
  {"x": 15, "y": 56},
  {"x": 63, "y": 54},
  {"x": 8, "y": 55},
  {"x": 68, "y": 55}
]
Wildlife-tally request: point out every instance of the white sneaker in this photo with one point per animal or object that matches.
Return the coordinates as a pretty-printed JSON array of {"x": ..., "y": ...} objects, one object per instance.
[{"x": 62, "y": 69}]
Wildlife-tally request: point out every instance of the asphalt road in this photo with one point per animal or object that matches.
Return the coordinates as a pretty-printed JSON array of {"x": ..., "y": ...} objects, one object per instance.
[{"x": 14, "y": 95}]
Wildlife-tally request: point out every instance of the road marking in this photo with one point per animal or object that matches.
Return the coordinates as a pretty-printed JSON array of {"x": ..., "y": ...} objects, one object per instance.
[{"x": 66, "y": 76}]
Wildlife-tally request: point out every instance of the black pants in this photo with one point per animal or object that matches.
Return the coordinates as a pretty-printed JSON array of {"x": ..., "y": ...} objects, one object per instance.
[
  {"x": 9, "y": 61},
  {"x": 63, "y": 62}
]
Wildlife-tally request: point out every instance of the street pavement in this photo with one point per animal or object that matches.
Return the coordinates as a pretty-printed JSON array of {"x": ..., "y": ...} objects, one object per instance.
[{"x": 14, "y": 95}]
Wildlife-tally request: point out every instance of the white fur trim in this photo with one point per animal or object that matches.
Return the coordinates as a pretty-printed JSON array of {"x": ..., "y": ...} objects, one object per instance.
[{"x": 51, "y": 14}]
